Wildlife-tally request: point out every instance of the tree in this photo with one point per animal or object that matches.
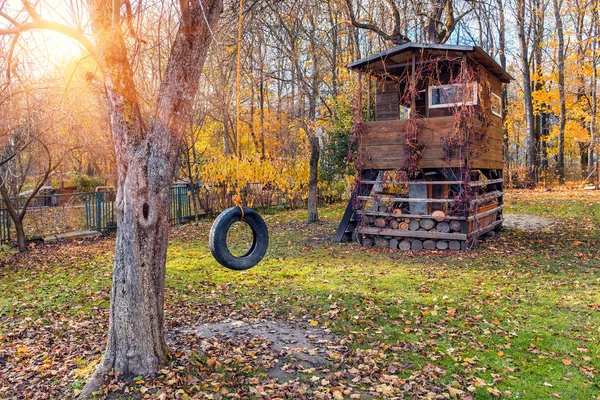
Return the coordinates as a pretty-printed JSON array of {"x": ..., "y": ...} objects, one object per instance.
[
  {"x": 436, "y": 19},
  {"x": 146, "y": 161},
  {"x": 560, "y": 165},
  {"x": 31, "y": 149},
  {"x": 20, "y": 165},
  {"x": 594, "y": 83},
  {"x": 524, "y": 58}
]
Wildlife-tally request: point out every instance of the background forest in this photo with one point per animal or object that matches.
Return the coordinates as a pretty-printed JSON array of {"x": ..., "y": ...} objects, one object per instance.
[{"x": 296, "y": 94}]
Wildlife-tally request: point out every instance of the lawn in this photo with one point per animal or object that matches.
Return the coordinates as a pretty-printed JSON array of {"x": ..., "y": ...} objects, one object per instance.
[{"x": 517, "y": 318}]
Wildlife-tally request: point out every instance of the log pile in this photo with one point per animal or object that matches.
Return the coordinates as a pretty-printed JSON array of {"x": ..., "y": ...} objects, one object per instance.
[
  {"x": 391, "y": 227},
  {"x": 426, "y": 217}
]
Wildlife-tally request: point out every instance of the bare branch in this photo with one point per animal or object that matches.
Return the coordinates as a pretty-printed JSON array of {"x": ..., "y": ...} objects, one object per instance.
[
  {"x": 39, "y": 23},
  {"x": 396, "y": 38},
  {"x": 9, "y": 18},
  {"x": 11, "y": 51}
]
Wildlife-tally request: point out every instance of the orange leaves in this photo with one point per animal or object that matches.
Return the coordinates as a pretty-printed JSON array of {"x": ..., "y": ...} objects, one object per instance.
[{"x": 566, "y": 361}]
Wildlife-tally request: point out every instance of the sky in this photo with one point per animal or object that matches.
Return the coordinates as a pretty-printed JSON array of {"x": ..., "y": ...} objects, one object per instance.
[{"x": 43, "y": 50}]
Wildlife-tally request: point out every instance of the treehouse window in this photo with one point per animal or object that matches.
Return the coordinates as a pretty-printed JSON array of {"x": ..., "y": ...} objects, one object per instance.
[
  {"x": 452, "y": 95},
  {"x": 403, "y": 113},
  {"x": 496, "y": 105}
]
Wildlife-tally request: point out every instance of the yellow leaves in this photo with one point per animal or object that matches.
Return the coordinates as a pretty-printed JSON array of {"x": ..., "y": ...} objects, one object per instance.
[
  {"x": 312, "y": 322},
  {"x": 455, "y": 393},
  {"x": 496, "y": 321},
  {"x": 500, "y": 354},
  {"x": 290, "y": 176},
  {"x": 23, "y": 350}
]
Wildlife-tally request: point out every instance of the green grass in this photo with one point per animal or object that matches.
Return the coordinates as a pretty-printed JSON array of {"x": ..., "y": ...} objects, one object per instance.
[{"x": 519, "y": 316}]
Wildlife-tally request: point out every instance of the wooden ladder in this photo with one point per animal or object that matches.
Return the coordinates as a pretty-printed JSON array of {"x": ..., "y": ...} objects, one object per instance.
[{"x": 350, "y": 219}]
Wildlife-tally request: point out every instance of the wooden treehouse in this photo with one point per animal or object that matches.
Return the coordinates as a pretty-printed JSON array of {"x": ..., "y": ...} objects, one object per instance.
[{"x": 430, "y": 148}]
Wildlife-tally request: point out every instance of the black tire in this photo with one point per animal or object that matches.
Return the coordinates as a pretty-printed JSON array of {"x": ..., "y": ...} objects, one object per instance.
[{"x": 218, "y": 239}]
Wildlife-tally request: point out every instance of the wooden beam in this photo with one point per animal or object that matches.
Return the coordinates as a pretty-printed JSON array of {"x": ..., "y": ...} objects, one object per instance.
[
  {"x": 385, "y": 214},
  {"x": 415, "y": 182},
  {"x": 486, "y": 197},
  {"x": 486, "y": 182},
  {"x": 405, "y": 199},
  {"x": 408, "y": 64},
  {"x": 485, "y": 213},
  {"x": 368, "y": 97},
  {"x": 360, "y": 96},
  {"x": 367, "y": 230},
  {"x": 413, "y": 103},
  {"x": 485, "y": 229}
]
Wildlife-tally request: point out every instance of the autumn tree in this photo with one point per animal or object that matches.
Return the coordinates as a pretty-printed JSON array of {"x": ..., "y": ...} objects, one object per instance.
[
  {"x": 146, "y": 153},
  {"x": 399, "y": 21}
]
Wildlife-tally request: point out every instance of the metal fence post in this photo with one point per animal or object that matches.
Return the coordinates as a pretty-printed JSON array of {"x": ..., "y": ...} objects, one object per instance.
[{"x": 99, "y": 211}]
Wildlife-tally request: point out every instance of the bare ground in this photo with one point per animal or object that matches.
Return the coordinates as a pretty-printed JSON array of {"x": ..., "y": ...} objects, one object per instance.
[{"x": 526, "y": 222}]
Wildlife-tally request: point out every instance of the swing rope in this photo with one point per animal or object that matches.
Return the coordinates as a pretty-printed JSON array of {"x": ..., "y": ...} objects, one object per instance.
[
  {"x": 237, "y": 198},
  {"x": 218, "y": 232}
]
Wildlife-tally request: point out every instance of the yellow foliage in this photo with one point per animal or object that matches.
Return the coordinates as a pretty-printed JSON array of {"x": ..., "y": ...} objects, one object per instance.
[
  {"x": 288, "y": 176},
  {"x": 575, "y": 133}
]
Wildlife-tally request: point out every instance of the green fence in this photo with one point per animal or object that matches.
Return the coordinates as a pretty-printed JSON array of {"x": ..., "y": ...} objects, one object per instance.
[
  {"x": 101, "y": 214},
  {"x": 100, "y": 211},
  {"x": 180, "y": 210},
  {"x": 60, "y": 213}
]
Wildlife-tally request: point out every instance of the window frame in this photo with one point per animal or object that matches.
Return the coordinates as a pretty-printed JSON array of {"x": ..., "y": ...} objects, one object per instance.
[
  {"x": 472, "y": 102},
  {"x": 499, "y": 113}
]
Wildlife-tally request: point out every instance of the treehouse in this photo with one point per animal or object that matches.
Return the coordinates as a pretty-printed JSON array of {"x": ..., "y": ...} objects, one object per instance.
[{"x": 430, "y": 148}]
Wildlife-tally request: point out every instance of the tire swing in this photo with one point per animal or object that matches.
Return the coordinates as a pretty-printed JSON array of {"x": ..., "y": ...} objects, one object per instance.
[
  {"x": 218, "y": 238},
  {"x": 221, "y": 226}
]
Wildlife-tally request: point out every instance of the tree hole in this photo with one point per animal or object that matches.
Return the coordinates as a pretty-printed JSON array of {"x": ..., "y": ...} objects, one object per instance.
[
  {"x": 239, "y": 239},
  {"x": 145, "y": 210}
]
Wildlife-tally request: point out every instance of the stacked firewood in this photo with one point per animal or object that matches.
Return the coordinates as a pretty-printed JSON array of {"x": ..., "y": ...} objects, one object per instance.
[{"x": 395, "y": 220}]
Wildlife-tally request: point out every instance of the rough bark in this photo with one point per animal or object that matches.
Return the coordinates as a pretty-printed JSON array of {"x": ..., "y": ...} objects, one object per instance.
[
  {"x": 593, "y": 89},
  {"x": 532, "y": 159},
  {"x": 146, "y": 161},
  {"x": 502, "y": 55},
  {"x": 315, "y": 150},
  {"x": 560, "y": 165}
]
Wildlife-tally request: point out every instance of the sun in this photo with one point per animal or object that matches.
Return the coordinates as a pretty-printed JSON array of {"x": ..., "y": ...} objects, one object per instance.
[{"x": 60, "y": 45}]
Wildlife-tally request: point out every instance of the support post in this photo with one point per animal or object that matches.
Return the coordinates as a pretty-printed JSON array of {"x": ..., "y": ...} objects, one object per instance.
[
  {"x": 413, "y": 102},
  {"x": 99, "y": 211},
  {"x": 360, "y": 96},
  {"x": 368, "y": 97}
]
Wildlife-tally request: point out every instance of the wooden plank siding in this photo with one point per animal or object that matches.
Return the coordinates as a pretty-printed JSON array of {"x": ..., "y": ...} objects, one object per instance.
[{"x": 382, "y": 145}]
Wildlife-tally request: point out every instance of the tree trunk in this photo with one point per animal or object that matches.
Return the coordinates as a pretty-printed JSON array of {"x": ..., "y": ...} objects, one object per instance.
[
  {"x": 526, "y": 71},
  {"x": 594, "y": 89},
  {"x": 502, "y": 54},
  {"x": 21, "y": 238},
  {"x": 146, "y": 165},
  {"x": 560, "y": 165},
  {"x": 315, "y": 151}
]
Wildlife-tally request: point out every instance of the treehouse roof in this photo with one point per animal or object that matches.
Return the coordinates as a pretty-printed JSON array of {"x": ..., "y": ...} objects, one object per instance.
[{"x": 400, "y": 57}]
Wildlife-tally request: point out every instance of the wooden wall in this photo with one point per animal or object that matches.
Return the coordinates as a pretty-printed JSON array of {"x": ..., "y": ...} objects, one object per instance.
[
  {"x": 387, "y": 100},
  {"x": 382, "y": 146}
]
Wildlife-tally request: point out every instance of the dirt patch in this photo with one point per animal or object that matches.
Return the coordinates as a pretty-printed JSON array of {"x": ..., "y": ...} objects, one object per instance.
[
  {"x": 299, "y": 349},
  {"x": 526, "y": 222}
]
